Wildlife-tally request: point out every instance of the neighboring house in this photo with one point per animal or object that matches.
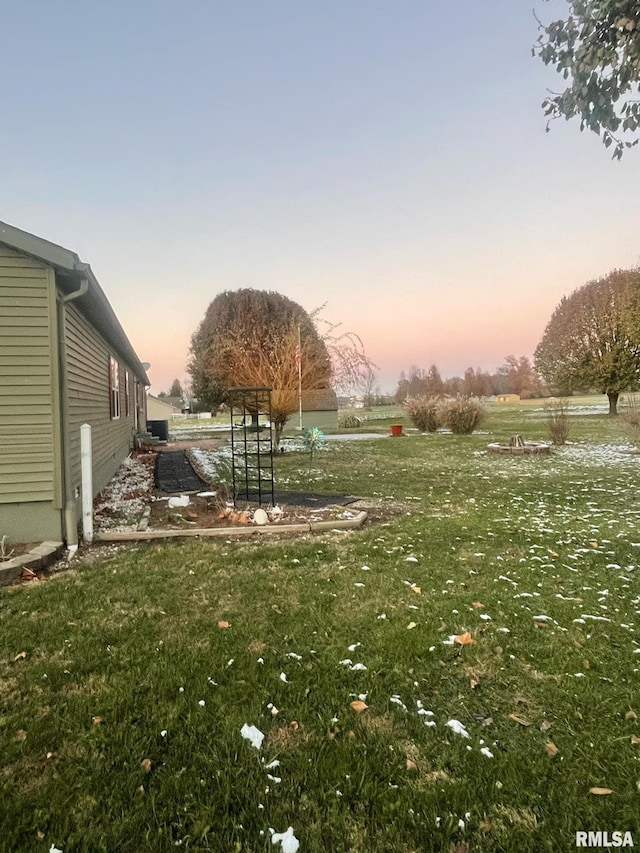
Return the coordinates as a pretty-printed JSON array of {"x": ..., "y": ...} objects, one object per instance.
[
  {"x": 319, "y": 409},
  {"x": 64, "y": 361},
  {"x": 160, "y": 409},
  {"x": 507, "y": 398},
  {"x": 182, "y": 404}
]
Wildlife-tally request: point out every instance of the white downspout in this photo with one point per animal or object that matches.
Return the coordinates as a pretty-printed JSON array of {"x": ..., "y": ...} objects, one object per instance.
[
  {"x": 70, "y": 518},
  {"x": 86, "y": 462}
]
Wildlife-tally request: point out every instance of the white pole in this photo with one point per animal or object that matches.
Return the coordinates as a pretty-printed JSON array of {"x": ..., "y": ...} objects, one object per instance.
[
  {"x": 299, "y": 355},
  {"x": 86, "y": 464}
]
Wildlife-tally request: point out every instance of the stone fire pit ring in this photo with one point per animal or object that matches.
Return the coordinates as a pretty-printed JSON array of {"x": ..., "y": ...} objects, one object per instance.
[{"x": 519, "y": 448}]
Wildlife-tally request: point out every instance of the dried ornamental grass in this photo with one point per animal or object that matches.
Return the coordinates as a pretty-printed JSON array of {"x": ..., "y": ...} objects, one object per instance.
[
  {"x": 347, "y": 420},
  {"x": 461, "y": 416},
  {"x": 423, "y": 412}
]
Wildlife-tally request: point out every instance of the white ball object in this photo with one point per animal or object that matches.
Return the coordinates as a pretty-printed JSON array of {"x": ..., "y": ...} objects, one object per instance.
[{"x": 260, "y": 517}]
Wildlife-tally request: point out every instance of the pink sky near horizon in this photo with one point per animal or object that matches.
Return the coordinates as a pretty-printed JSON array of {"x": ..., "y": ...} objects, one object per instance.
[{"x": 340, "y": 154}]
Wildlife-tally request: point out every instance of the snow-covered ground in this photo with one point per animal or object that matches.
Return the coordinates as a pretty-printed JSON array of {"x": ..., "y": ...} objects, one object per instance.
[
  {"x": 599, "y": 454},
  {"x": 121, "y": 503}
]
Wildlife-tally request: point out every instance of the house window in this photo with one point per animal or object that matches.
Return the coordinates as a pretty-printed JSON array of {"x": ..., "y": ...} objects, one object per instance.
[
  {"x": 114, "y": 388},
  {"x": 126, "y": 393}
]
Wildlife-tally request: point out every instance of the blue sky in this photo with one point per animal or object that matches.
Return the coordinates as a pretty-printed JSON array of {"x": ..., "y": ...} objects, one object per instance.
[{"x": 389, "y": 159}]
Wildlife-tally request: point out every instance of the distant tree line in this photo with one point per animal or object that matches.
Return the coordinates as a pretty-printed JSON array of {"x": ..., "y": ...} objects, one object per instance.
[
  {"x": 591, "y": 343},
  {"x": 515, "y": 376}
]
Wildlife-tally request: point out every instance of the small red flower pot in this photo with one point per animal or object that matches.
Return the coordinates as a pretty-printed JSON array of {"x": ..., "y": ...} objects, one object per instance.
[{"x": 396, "y": 429}]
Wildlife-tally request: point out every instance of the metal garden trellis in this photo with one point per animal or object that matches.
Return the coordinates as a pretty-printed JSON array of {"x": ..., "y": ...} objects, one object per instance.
[{"x": 251, "y": 444}]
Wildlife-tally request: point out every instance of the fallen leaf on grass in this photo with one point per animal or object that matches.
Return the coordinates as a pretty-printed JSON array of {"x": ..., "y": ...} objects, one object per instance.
[
  {"x": 519, "y": 719},
  {"x": 146, "y": 765},
  {"x": 551, "y": 748},
  {"x": 416, "y": 589},
  {"x": 97, "y": 721},
  {"x": 276, "y": 609},
  {"x": 437, "y": 776},
  {"x": 545, "y": 725},
  {"x": 21, "y": 735},
  {"x": 358, "y": 706},
  {"x": 20, "y": 656},
  {"x": 411, "y": 765},
  {"x": 464, "y": 639},
  {"x": 600, "y": 791},
  {"x": 631, "y": 715},
  {"x": 635, "y": 740},
  {"x": 223, "y": 624},
  {"x": 478, "y": 605}
]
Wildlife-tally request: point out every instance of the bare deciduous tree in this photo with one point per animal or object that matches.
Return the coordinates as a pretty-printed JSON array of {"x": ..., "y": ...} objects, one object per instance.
[{"x": 350, "y": 365}]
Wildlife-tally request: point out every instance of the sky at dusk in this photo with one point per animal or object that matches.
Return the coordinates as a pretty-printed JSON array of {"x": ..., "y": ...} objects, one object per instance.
[{"x": 386, "y": 158}]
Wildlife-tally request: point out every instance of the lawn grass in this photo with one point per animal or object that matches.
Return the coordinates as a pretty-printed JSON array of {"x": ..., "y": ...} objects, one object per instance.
[{"x": 123, "y": 693}]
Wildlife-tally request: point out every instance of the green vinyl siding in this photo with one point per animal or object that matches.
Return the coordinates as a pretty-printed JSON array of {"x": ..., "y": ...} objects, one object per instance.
[
  {"x": 29, "y": 448},
  {"x": 88, "y": 401}
]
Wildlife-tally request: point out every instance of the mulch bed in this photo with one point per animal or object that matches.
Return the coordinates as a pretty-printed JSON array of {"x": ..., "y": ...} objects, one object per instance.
[
  {"x": 210, "y": 511},
  {"x": 174, "y": 473},
  {"x": 306, "y": 499}
]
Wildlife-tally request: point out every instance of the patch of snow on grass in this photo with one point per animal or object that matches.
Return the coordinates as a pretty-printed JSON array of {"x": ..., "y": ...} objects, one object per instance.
[
  {"x": 599, "y": 454},
  {"x": 120, "y": 504}
]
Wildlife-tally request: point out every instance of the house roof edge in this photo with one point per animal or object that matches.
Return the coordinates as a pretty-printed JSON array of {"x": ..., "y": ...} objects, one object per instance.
[{"x": 68, "y": 262}]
